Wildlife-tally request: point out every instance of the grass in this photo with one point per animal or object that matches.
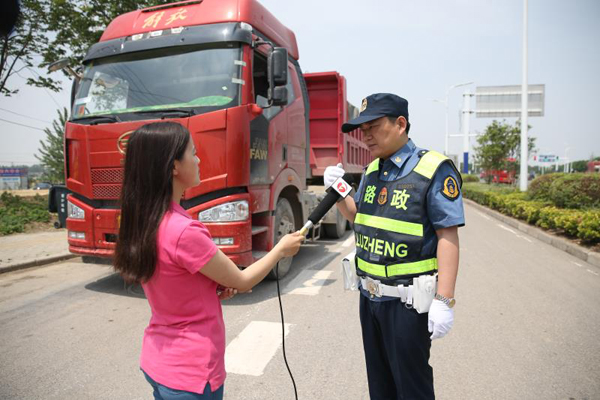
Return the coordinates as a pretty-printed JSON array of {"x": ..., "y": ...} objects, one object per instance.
[{"x": 17, "y": 212}]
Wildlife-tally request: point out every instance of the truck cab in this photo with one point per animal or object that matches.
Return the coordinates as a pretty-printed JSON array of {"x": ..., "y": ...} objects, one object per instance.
[{"x": 228, "y": 71}]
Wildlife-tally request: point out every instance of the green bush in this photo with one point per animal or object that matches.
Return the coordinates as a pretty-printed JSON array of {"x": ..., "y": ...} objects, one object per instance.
[
  {"x": 469, "y": 178},
  {"x": 589, "y": 228},
  {"x": 16, "y": 212},
  {"x": 539, "y": 188},
  {"x": 582, "y": 224},
  {"x": 576, "y": 191}
]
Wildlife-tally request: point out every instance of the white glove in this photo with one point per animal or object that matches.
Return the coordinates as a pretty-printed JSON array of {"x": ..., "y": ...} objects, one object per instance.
[
  {"x": 441, "y": 319},
  {"x": 332, "y": 173}
]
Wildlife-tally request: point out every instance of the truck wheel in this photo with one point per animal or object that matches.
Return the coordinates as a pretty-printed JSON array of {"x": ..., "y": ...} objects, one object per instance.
[
  {"x": 284, "y": 224},
  {"x": 336, "y": 230}
]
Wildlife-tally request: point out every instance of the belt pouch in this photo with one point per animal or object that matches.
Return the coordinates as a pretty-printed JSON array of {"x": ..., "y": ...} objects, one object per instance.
[
  {"x": 349, "y": 272},
  {"x": 423, "y": 292}
]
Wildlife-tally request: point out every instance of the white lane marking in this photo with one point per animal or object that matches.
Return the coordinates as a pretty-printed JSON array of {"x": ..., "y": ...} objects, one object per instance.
[
  {"x": 593, "y": 272},
  {"x": 514, "y": 233},
  {"x": 483, "y": 215},
  {"x": 506, "y": 229},
  {"x": 579, "y": 265},
  {"x": 250, "y": 352},
  {"x": 308, "y": 282},
  {"x": 524, "y": 238},
  {"x": 348, "y": 241}
]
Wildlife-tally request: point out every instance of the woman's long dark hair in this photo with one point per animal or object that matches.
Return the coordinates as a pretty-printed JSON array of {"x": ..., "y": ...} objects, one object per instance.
[{"x": 146, "y": 195}]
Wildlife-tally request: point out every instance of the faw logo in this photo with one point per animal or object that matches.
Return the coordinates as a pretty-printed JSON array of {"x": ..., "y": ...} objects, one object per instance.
[{"x": 122, "y": 142}]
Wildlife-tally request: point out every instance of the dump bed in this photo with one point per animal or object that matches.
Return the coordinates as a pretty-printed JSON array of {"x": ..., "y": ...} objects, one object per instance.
[{"x": 328, "y": 111}]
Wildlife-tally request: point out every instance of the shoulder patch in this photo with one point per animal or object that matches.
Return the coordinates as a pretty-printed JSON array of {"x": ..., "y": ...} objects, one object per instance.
[{"x": 450, "y": 189}]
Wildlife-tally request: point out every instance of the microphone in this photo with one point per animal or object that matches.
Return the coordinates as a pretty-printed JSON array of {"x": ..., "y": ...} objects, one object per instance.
[{"x": 340, "y": 188}]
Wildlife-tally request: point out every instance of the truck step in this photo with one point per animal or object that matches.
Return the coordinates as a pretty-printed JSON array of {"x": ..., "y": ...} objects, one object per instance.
[{"x": 259, "y": 229}]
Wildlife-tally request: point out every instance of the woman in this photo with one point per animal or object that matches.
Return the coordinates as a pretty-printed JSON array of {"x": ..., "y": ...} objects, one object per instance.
[{"x": 178, "y": 265}]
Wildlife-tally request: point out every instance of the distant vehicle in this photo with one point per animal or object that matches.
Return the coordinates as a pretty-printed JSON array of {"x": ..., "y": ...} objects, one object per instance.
[
  {"x": 499, "y": 176},
  {"x": 593, "y": 166},
  {"x": 42, "y": 186},
  {"x": 507, "y": 175}
]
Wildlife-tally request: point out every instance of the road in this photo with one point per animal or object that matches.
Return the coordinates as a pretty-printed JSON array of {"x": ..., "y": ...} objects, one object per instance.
[{"x": 527, "y": 327}]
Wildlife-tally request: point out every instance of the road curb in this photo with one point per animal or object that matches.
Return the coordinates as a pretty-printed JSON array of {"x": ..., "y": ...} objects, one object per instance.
[
  {"x": 38, "y": 262},
  {"x": 562, "y": 244}
]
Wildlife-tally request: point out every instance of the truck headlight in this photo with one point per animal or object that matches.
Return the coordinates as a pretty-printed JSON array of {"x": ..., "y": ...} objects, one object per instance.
[
  {"x": 75, "y": 212},
  {"x": 77, "y": 235},
  {"x": 228, "y": 212}
]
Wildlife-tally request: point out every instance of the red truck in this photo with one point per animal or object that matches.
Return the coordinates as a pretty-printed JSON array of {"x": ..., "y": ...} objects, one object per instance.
[
  {"x": 593, "y": 166},
  {"x": 499, "y": 176},
  {"x": 227, "y": 70},
  {"x": 507, "y": 175}
]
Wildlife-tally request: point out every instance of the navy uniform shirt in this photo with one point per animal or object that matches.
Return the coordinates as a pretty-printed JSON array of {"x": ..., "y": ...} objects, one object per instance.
[{"x": 442, "y": 212}]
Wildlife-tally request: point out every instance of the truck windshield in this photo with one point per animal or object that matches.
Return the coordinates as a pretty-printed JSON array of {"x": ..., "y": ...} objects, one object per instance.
[{"x": 202, "y": 79}]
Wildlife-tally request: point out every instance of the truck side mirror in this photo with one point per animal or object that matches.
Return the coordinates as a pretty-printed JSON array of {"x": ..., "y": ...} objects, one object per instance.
[
  {"x": 63, "y": 63},
  {"x": 280, "y": 96},
  {"x": 278, "y": 66}
]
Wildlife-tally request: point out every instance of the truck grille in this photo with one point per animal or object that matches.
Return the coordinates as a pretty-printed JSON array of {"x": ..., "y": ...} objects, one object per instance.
[
  {"x": 106, "y": 182},
  {"x": 107, "y": 175}
]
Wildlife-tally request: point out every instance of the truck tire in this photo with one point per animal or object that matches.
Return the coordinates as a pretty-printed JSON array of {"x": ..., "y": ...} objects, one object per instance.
[
  {"x": 336, "y": 230},
  {"x": 284, "y": 224}
]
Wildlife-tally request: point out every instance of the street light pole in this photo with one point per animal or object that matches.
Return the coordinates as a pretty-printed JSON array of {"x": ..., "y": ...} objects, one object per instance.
[
  {"x": 524, "y": 107},
  {"x": 445, "y": 103},
  {"x": 446, "y": 135}
]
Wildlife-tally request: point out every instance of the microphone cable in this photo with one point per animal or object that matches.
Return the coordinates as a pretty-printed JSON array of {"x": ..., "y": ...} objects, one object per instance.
[
  {"x": 283, "y": 332},
  {"x": 316, "y": 215}
]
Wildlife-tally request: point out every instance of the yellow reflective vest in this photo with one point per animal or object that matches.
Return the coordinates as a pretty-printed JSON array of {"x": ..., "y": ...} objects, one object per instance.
[{"x": 390, "y": 221}]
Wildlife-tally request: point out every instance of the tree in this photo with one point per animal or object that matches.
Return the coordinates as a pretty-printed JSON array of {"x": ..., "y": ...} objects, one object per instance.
[
  {"x": 579, "y": 166},
  {"x": 27, "y": 41},
  {"x": 73, "y": 25},
  {"x": 499, "y": 143},
  {"x": 52, "y": 151}
]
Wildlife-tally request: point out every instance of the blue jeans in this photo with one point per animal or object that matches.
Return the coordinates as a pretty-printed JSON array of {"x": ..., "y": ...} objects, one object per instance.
[{"x": 162, "y": 392}]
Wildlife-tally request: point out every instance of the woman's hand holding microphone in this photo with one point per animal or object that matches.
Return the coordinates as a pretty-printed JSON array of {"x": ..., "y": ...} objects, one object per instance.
[{"x": 289, "y": 245}]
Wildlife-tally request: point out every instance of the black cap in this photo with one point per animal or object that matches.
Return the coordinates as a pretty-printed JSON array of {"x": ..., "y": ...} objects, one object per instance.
[{"x": 376, "y": 106}]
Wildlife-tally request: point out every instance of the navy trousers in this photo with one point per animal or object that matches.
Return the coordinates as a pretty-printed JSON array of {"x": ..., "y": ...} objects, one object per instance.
[{"x": 397, "y": 344}]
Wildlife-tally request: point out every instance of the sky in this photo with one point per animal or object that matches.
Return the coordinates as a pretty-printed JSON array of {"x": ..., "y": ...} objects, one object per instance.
[{"x": 415, "y": 49}]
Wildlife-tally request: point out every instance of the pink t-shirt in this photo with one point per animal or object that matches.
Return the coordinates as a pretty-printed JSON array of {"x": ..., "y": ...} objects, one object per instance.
[{"x": 184, "y": 343}]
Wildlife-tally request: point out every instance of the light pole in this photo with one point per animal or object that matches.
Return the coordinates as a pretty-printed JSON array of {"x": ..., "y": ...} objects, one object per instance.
[
  {"x": 445, "y": 103},
  {"x": 524, "y": 107}
]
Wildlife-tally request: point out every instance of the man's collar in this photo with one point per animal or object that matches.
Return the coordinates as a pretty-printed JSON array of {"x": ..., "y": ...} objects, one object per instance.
[{"x": 400, "y": 156}]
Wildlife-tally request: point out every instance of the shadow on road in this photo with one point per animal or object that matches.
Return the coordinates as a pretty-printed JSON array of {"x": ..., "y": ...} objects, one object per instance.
[
  {"x": 114, "y": 284},
  {"x": 312, "y": 256}
]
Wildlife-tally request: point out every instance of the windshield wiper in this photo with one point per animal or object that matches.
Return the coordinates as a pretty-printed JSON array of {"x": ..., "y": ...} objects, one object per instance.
[
  {"x": 169, "y": 112},
  {"x": 98, "y": 119}
]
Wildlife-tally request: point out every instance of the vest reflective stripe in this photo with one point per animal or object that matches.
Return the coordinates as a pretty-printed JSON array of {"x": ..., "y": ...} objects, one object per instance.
[
  {"x": 374, "y": 166},
  {"x": 429, "y": 163},
  {"x": 388, "y": 224},
  {"x": 417, "y": 267}
]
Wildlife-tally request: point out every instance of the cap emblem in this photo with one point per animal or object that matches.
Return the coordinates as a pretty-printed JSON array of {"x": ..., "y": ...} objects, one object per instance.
[{"x": 363, "y": 106}]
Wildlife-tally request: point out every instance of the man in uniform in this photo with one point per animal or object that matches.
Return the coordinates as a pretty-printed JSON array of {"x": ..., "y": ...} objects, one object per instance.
[{"x": 406, "y": 212}]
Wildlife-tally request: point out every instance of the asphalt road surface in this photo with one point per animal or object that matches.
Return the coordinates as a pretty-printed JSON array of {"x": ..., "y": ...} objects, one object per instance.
[{"x": 527, "y": 326}]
